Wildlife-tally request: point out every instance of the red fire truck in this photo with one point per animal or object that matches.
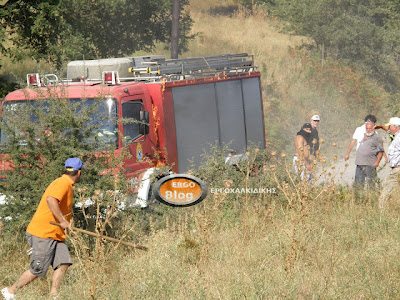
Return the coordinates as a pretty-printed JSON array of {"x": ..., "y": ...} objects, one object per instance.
[{"x": 183, "y": 107}]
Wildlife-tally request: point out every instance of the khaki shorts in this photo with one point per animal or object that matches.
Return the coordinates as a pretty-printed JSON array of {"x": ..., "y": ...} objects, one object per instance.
[{"x": 46, "y": 252}]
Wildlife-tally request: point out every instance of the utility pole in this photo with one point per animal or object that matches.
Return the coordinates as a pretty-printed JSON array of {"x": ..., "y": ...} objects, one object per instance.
[{"x": 175, "y": 29}]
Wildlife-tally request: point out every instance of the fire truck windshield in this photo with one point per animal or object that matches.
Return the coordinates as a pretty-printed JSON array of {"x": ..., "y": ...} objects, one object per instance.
[{"x": 103, "y": 120}]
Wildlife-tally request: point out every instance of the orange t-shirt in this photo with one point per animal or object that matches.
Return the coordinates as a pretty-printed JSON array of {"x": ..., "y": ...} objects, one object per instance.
[{"x": 62, "y": 190}]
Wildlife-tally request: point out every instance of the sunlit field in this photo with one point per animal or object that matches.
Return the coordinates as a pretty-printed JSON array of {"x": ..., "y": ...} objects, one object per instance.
[{"x": 297, "y": 240}]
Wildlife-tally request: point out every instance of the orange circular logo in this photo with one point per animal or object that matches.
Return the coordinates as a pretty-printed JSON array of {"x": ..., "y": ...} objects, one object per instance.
[{"x": 180, "y": 190}]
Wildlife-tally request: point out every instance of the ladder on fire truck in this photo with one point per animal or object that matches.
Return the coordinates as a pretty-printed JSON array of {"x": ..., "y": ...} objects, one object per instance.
[
  {"x": 194, "y": 66},
  {"x": 155, "y": 68}
]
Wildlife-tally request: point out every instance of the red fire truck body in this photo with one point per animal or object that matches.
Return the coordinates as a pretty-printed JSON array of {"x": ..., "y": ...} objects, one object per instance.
[{"x": 186, "y": 112}]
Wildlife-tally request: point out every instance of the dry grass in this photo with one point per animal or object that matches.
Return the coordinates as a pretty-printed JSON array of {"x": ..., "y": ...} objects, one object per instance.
[
  {"x": 347, "y": 252},
  {"x": 306, "y": 242}
]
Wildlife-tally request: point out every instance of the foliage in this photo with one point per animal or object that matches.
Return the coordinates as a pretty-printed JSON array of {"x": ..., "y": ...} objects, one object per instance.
[
  {"x": 7, "y": 85},
  {"x": 364, "y": 33},
  {"x": 2, "y": 38},
  {"x": 37, "y": 137},
  {"x": 65, "y": 30}
]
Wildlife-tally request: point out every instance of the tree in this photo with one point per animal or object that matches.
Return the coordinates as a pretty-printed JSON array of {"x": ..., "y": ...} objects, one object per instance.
[
  {"x": 60, "y": 30},
  {"x": 175, "y": 29},
  {"x": 7, "y": 84},
  {"x": 364, "y": 33}
]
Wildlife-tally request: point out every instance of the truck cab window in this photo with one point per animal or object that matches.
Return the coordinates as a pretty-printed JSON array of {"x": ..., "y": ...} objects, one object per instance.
[
  {"x": 102, "y": 120},
  {"x": 131, "y": 115}
]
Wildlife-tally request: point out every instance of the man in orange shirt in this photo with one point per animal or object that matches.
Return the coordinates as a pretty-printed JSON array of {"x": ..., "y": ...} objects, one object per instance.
[{"x": 46, "y": 240}]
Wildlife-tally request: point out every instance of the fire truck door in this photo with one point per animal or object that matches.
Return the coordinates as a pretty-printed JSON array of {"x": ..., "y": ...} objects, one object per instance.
[{"x": 137, "y": 143}]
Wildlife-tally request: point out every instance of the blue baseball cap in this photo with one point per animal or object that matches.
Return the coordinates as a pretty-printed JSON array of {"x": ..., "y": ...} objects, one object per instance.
[{"x": 74, "y": 163}]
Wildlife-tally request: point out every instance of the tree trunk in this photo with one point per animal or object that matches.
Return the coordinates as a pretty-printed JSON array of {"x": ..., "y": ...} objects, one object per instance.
[{"x": 175, "y": 29}]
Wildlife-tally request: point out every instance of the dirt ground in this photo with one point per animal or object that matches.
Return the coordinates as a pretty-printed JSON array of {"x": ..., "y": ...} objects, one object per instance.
[{"x": 345, "y": 175}]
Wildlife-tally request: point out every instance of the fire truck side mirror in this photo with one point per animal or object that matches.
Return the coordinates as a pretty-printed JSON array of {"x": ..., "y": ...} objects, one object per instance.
[{"x": 144, "y": 122}]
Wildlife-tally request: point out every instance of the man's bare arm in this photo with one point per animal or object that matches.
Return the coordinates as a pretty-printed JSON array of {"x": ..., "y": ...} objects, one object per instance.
[
  {"x": 378, "y": 159},
  {"x": 302, "y": 150},
  {"x": 54, "y": 207},
  {"x": 384, "y": 127},
  {"x": 351, "y": 145}
]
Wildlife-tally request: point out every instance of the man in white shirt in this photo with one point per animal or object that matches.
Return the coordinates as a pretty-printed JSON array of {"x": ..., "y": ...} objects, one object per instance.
[{"x": 390, "y": 186}]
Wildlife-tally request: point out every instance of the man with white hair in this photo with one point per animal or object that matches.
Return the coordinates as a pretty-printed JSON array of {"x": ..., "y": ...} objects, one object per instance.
[
  {"x": 391, "y": 184},
  {"x": 368, "y": 157},
  {"x": 358, "y": 135}
]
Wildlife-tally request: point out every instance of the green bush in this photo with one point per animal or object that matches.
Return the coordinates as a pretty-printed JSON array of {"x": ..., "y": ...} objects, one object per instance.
[{"x": 37, "y": 137}]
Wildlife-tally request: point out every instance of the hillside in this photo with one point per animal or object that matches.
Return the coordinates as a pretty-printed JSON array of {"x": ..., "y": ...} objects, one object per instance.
[{"x": 295, "y": 86}]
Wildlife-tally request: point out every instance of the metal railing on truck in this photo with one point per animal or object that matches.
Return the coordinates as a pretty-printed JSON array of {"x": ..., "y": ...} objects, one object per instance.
[
  {"x": 156, "y": 67},
  {"x": 198, "y": 65}
]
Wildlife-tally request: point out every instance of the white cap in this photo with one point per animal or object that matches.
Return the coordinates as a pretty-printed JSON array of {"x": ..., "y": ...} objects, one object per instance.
[
  {"x": 395, "y": 121},
  {"x": 315, "y": 118}
]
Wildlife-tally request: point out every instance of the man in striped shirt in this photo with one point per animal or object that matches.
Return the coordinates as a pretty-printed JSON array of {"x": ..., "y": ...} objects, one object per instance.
[{"x": 390, "y": 185}]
